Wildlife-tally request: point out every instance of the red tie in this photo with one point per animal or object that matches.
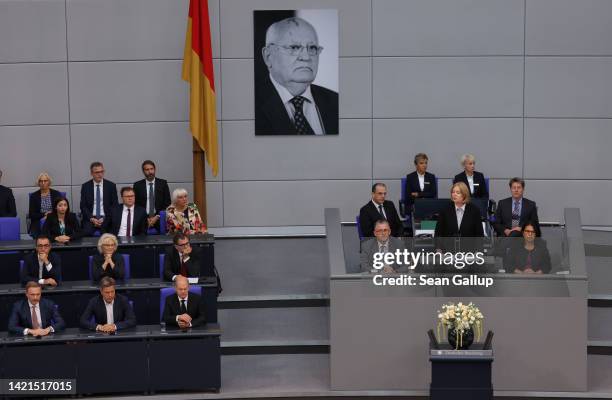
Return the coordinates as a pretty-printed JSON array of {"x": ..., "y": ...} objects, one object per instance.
[{"x": 129, "y": 223}]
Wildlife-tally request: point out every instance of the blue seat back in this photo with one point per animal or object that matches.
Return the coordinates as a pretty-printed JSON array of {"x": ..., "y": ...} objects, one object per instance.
[
  {"x": 165, "y": 292},
  {"x": 487, "y": 185},
  {"x": 162, "y": 225},
  {"x": 359, "y": 232},
  {"x": 126, "y": 263},
  {"x": 9, "y": 228},
  {"x": 162, "y": 258}
]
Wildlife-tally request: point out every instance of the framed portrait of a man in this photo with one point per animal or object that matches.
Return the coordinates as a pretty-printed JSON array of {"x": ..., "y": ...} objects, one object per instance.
[{"x": 296, "y": 72}]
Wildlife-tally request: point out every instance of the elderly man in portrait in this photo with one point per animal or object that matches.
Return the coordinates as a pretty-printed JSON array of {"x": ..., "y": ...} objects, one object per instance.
[{"x": 287, "y": 103}]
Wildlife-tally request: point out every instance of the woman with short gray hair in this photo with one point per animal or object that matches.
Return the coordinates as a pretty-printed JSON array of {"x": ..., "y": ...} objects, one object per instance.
[
  {"x": 183, "y": 216},
  {"x": 474, "y": 180}
]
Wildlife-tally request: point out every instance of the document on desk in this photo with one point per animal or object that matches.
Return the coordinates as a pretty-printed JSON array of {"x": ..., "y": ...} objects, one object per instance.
[{"x": 193, "y": 280}]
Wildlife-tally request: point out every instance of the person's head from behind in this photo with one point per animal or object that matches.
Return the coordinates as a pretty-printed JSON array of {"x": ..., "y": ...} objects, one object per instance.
[
  {"x": 382, "y": 230},
  {"x": 529, "y": 232},
  {"x": 96, "y": 169},
  {"x": 292, "y": 53},
  {"x": 460, "y": 194},
  {"x": 43, "y": 245},
  {"x": 107, "y": 289},
  {"x": 44, "y": 181},
  {"x": 33, "y": 292},
  {"x": 148, "y": 169},
  {"x": 517, "y": 186},
  {"x": 107, "y": 244},
  {"x": 127, "y": 196},
  {"x": 468, "y": 162},
  {"x": 180, "y": 241},
  {"x": 180, "y": 198},
  {"x": 420, "y": 162},
  {"x": 379, "y": 192},
  {"x": 61, "y": 206},
  {"x": 181, "y": 285}
]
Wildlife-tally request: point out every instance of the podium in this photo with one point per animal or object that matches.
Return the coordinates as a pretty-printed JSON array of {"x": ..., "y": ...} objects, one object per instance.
[{"x": 461, "y": 374}]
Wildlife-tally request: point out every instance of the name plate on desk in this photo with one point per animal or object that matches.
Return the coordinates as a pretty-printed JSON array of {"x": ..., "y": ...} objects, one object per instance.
[
  {"x": 461, "y": 353},
  {"x": 193, "y": 280}
]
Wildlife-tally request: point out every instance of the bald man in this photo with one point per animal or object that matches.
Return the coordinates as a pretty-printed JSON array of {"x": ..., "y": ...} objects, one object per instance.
[
  {"x": 183, "y": 309},
  {"x": 287, "y": 103}
]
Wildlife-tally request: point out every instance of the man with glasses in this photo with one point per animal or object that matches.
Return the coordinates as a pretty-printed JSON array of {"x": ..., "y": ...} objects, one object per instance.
[
  {"x": 42, "y": 266},
  {"x": 383, "y": 242},
  {"x": 98, "y": 197},
  {"x": 379, "y": 208},
  {"x": 287, "y": 103},
  {"x": 127, "y": 219},
  {"x": 181, "y": 259}
]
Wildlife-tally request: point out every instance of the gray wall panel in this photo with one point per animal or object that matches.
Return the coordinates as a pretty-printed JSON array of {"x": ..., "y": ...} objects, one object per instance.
[
  {"x": 214, "y": 204},
  {"x": 29, "y": 150},
  {"x": 448, "y": 87},
  {"x": 33, "y": 94},
  {"x": 35, "y": 29},
  {"x": 123, "y": 147},
  {"x": 447, "y": 27},
  {"x": 127, "y": 91},
  {"x": 355, "y": 87},
  {"x": 271, "y": 203},
  {"x": 568, "y": 87},
  {"x": 238, "y": 89},
  {"x": 292, "y": 158},
  {"x": 580, "y": 148},
  {"x": 496, "y": 144},
  {"x": 557, "y": 27},
  {"x": 237, "y": 24}
]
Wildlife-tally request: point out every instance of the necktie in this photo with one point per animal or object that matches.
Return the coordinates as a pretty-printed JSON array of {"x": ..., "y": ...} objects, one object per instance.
[
  {"x": 381, "y": 211},
  {"x": 151, "y": 200},
  {"x": 301, "y": 124},
  {"x": 129, "y": 223},
  {"x": 183, "y": 268},
  {"x": 35, "y": 323},
  {"x": 183, "y": 307},
  {"x": 515, "y": 214},
  {"x": 98, "y": 201}
]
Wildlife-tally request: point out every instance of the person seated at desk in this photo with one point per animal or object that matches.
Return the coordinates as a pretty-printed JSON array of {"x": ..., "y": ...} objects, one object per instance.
[
  {"x": 420, "y": 183},
  {"x": 7, "y": 201},
  {"x": 98, "y": 197},
  {"x": 111, "y": 312},
  {"x": 383, "y": 242},
  {"x": 41, "y": 202},
  {"x": 108, "y": 263},
  {"x": 474, "y": 180},
  {"x": 184, "y": 309},
  {"x": 529, "y": 255},
  {"x": 35, "y": 316},
  {"x": 377, "y": 209},
  {"x": 460, "y": 219},
  {"x": 180, "y": 259},
  {"x": 182, "y": 216},
  {"x": 42, "y": 266},
  {"x": 515, "y": 211},
  {"x": 62, "y": 225},
  {"x": 152, "y": 194},
  {"x": 127, "y": 219}
]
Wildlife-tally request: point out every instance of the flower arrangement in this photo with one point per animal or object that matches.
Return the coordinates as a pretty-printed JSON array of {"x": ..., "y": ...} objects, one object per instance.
[{"x": 461, "y": 318}]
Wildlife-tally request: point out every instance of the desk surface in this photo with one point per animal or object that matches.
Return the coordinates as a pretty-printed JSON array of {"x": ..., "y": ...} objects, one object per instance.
[{"x": 88, "y": 242}]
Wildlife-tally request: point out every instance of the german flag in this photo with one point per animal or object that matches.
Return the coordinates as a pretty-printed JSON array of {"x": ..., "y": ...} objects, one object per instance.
[{"x": 198, "y": 71}]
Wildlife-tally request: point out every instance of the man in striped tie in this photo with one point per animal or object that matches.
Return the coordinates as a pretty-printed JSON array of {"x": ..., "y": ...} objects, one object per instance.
[{"x": 515, "y": 211}]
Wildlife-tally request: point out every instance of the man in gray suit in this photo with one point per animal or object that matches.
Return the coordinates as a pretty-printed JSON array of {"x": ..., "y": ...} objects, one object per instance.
[{"x": 382, "y": 242}]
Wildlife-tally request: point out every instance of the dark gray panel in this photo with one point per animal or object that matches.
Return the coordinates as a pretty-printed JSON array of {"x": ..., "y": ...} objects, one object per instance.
[
  {"x": 448, "y": 87},
  {"x": 33, "y": 94},
  {"x": 33, "y": 30},
  {"x": 558, "y": 27},
  {"x": 568, "y": 87},
  {"x": 600, "y": 276},
  {"x": 447, "y": 27},
  {"x": 600, "y": 323},
  {"x": 293, "y": 158}
]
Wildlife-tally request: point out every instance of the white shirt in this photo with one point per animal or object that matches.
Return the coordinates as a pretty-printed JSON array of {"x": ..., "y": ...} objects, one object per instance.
[
  {"x": 309, "y": 107},
  {"x": 147, "y": 190},
  {"x": 110, "y": 318},
  {"x": 378, "y": 209},
  {"x": 421, "y": 181},
  {"x": 101, "y": 199},
  {"x": 470, "y": 183},
  {"x": 459, "y": 214},
  {"x": 124, "y": 215},
  {"x": 41, "y": 281}
]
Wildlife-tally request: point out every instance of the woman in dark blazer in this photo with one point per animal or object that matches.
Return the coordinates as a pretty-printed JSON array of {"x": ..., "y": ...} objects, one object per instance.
[
  {"x": 108, "y": 262},
  {"x": 420, "y": 183},
  {"x": 474, "y": 180},
  {"x": 41, "y": 202},
  {"x": 448, "y": 230},
  {"x": 529, "y": 255},
  {"x": 62, "y": 225}
]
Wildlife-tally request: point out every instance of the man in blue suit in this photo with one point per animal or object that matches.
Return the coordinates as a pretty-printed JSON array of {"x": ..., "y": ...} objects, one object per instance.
[
  {"x": 98, "y": 197},
  {"x": 110, "y": 311},
  {"x": 35, "y": 316}
]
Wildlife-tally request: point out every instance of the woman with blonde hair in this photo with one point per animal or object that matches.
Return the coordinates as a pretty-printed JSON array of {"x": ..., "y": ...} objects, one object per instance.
[
  {"x": 461, "y": 219},
  {"x": 108, "y": 262},
  {"x": 474, "y": 180},
  {"x": 183, "y": 216},
  {"x": 41, "y": 202}
]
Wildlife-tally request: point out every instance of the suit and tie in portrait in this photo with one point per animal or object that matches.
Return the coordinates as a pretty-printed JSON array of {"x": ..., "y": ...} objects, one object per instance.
[{"x": 21, "y": 317}]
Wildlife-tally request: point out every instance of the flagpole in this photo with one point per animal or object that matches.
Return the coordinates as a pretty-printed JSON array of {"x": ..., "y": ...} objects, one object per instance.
[{"x": 199, "y": 181}]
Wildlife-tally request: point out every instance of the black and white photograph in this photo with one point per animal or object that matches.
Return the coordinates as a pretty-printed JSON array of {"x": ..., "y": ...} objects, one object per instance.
[{"x": 296, "y": 72}]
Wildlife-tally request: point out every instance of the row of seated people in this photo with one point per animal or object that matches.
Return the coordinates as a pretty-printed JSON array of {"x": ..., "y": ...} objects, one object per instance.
[
  {"x": 511, "y": 213},
  {"x": 44, "y": 266},
  {"x": 100, "y": 211},
  {"x": 107, "y": 312}
]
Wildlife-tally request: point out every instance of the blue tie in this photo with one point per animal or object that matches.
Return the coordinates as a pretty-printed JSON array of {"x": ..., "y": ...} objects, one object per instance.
[{"x": 98, "y": 201}]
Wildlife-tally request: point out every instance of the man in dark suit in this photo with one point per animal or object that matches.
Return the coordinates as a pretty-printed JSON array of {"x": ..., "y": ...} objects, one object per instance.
[
  {"x": 184, "y": 309},
  {"x": 109, "y": 312},
  {"x": 98, "y": 197},
  {"x": 42, "y": 266},
  {"x": 382, "y": 242},
  {"x": 515, "y": 211},
  {"x": 181, "y": 259},
  {"x": 286, "y": 101},
  {"x": 35, "y": 316},
  {"x": 152, "y": 194},
  {"x": 378, "y": 209},
  {"x": 127, "y": 219},
  {"x": 7, "y": 202},
  {"x": 420, "y": 183}
]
